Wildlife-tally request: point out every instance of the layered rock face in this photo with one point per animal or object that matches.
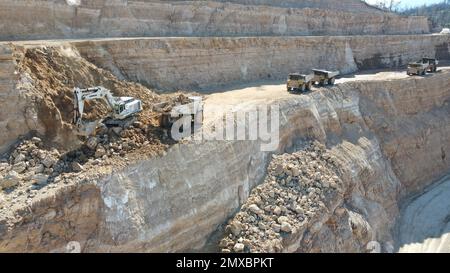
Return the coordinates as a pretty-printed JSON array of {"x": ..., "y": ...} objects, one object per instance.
[
  {"x": 18, "y": 114},
  {"x": 56, "y": 19},
  {"x": 377, "y": 131},
  {"x": 345, "y": 5},
  {"x": 178, "y": 63}
]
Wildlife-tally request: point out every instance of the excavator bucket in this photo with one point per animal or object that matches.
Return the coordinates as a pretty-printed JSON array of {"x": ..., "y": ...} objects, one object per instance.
[{"x": 88, "y": 128}]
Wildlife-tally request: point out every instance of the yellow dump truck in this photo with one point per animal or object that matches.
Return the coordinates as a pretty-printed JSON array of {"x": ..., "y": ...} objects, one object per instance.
[
  {"x": 422, "y": 67},
  {"x": 299, "y": 82},
  {"x": 322, "y": 77},
  {"x": 170, "y": 114},
  {"x": 416, "y": 68}
]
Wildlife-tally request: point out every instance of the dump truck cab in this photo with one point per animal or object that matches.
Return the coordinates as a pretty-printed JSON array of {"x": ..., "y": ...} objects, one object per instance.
[
  {"x": 299, "y": 82},
  {"x": 431, "y": 63},
  {"x": 323, "y": 77}
]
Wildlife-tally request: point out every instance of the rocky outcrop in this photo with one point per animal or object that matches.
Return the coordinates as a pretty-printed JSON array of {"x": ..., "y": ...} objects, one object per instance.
[
  {"x": 174, "y": 202},
  {"x": 195, "y": 63},
  {"x": 408, "y": 140},
  {"x": 58, "y": 19},
  {"x": 319, "y": 200},
  {"x": 18, "y": 114}
]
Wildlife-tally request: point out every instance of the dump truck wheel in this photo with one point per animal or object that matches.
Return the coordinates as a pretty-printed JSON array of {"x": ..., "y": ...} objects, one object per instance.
[
  {"x": 308, "y": 86},
  {"x": 302, "y": 88},
  {"x": 423, "y": 73},
  {"x": 331, "y": 81},
  {"x": 322, "y": 83}
]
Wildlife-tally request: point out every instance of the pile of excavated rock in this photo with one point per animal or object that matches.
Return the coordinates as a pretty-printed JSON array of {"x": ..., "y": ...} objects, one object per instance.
[
  {"x": 31, "y": 162},
  {"x": 293, "y": 192}
]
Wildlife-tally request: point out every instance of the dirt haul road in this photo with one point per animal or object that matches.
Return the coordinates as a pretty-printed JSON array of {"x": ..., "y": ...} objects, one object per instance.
[{"x": 247, "y": 96}]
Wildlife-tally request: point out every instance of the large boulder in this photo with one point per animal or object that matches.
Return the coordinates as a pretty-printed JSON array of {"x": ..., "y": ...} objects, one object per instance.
[{"x": 12, "y": 179}]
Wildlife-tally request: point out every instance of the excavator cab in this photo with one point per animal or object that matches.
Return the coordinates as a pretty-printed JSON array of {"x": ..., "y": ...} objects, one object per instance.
[
  {"x": 122, "y": 110},
  {"x": 126, "y": 106}
]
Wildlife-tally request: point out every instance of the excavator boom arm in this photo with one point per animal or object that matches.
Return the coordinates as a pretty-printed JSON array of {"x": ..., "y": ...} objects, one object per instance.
[{"x": 116, "y": 105}]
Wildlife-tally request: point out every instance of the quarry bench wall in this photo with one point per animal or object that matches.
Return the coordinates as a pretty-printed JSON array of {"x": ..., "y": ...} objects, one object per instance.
[
  {"x": 55, "y": 19},
  {"x": 197, "y": 63},
  {"x": 345, "y": 5}
]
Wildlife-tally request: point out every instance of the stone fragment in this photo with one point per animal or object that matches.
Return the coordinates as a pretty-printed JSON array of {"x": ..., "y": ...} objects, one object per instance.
[
  {"x": 36, "y": 140},
  {"x": 48, "y": 161},
  {"x": 12, "y": 179},
  {"x": 39, "y": 168},
  {"x": 100, "y": 152},
  {"x": 255, "y": 209},
  {"x": 19, "y": 167},
  {"x": 282, "y": 219},
  {"x": 286, "y": 227},
  {"x": 236, "y": 228},
  {"x": 40, "y": 179},
  {"x": 19, "y": 158},
  {"x": 77, "y": 167},
  {"x": 277, "y": 210},
  {"x": 239, "y": 247}
]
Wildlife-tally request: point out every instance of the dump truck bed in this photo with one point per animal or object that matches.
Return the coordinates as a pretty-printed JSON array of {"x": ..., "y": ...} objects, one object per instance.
[
  {"x": 328, "y": 74},
  {"x": 418, "y": 64},
  {"x": 303, "y": 77},
  {"x": 176, "y": 110}
]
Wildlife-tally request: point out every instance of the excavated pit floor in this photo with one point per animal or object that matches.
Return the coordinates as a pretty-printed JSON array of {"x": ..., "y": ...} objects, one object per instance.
[{"x": 424, "y": 225}]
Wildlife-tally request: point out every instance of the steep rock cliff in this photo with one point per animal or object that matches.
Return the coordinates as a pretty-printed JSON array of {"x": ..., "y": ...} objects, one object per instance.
[{"x": 56, "y": 19}]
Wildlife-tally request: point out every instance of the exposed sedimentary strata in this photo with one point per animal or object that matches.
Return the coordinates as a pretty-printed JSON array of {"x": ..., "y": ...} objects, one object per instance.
[
  {"x": 18, "y": 114},
  {"x": 345, "y": 5},
  {"x": 178, "y": 63},
  {"x": 55, "y": 19},
  {"x": 360, "y": 215},
  {"x": 175, "y": 202}
]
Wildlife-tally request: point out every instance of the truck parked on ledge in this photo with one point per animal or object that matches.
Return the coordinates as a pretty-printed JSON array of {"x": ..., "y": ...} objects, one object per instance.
[
  {"x": 299, "y": 82},
  {"x": 322, "y": 77},
  {"x": 193, "y": 106},
  {"x": 422, "y": 67}
]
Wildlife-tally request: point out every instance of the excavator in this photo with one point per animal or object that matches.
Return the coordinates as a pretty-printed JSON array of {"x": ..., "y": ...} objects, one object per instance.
[{"x": 122, "y": 110}]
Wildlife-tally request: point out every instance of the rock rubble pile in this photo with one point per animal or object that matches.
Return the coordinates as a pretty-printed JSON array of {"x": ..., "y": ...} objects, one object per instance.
[{"x": 293, "y": 192}]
